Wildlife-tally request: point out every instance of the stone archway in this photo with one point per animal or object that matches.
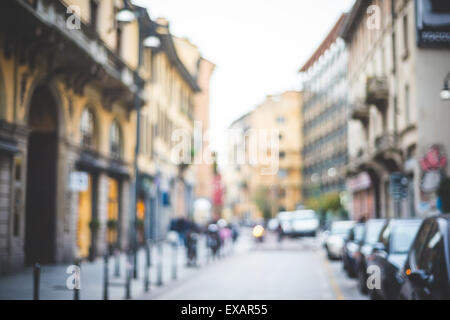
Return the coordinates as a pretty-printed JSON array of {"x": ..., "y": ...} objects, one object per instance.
[{"x": 41, "y": 217}]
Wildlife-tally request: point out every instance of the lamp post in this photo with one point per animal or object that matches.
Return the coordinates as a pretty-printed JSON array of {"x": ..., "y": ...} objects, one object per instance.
[
  {"x": 128, "y": 15},
  {"x": 445, "y": 93}
]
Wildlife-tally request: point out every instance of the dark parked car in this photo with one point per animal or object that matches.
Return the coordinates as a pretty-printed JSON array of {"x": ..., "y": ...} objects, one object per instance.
[
  {"x": 372, "y": 231},
  {"x": 390, "y": 254},
  {"x": 351, "y": 248},
  {"x": 426, "y": 274}
]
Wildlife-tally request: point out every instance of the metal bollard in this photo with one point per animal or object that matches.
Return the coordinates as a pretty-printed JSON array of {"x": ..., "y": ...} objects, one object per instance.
[
  {"x": 174, "y": 260},
  {"x": 36, "y": 280},
  {"x": 147, "y": 268},
  {"x": 160, "y": 264},
  {"x": 105, "y": 277},
  {"x": 128, "y": 275},
  {"x": 76, "y": 290}
]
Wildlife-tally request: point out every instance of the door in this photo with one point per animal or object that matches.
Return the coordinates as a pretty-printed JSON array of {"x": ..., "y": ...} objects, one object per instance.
[
  {"x": 84, "y": 236},
  {"x": 40, "y": 224},
  {"x": 113, "y": 213}
]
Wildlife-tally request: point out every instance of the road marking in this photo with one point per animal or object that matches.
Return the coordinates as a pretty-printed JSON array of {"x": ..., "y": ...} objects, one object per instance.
[{"x": 334, "y": 285}]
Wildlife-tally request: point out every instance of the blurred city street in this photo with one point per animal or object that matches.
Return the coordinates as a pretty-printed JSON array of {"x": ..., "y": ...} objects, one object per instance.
[
  {"x": 295, "y": 269},
  {"x": 212, "y": 150}
]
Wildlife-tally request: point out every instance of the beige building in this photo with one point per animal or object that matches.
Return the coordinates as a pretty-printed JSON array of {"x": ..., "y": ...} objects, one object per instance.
[
  {"x": 167, "y": 126},
  {"x": 238, "y": 170},
  {"x": 261, "y": 169},
  {"x": 204, "y": 167},
  {"x": 396, "y": 68},
  {"x": 282, "y": 114},
  {"x": 67, "y": 130}
]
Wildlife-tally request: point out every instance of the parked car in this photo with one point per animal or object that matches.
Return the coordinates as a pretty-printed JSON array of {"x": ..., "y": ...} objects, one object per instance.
[
  {"x": 298, "y": 223},
  {"x": 351, "y": 248},
  {"x": 335, "y": 238},
  {"x": 372, "y": 231},
  {"x": 389, "y": 255},
  {"x": 426, "y": 274}
]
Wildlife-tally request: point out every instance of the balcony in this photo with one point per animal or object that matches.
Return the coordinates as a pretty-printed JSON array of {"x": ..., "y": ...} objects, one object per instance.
[
  {"x": 77, "y": 56},
  {"x": 361, "y": 112},
  {"x": 386, "y": 142},
  {"x": 377, "y": 92}
]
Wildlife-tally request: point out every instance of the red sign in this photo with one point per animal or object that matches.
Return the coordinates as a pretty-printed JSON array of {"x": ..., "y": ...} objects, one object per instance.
[{"x": 433, "y": 160}]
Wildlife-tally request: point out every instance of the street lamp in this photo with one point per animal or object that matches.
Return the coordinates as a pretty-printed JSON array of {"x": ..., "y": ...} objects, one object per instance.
[
  {"x": 125, "y": 15},
  {"x": 445, "y": 93}
]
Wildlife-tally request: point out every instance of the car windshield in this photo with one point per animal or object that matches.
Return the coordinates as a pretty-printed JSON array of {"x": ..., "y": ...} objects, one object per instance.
[
  {"x": 359, "y": 232},
  {"x": 340, "y": 228},
  {"x": 373, "y": 231},
  {"x": 402, "y": 237},
  {"x": 305, "y": 215}
]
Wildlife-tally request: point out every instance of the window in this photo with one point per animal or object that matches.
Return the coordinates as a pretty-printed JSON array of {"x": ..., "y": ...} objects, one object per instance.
[
  {"x": 119, "y": 39},
  {"x": 115, "y": 139},
  {"x": 281, "y": 120},
  {"x": 419, "y": 243},
  {"x": 394, "y": 54},
  {"x": 87, "y": 129},
  {"x": 405, "y": 37},
  {"x": 94, "y": 14},
  {"x": 407, "y": 105}
]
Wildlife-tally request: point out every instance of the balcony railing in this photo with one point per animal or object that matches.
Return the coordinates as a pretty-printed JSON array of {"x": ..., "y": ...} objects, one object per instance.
[
  {"x": 81, "y": 56},
  {"x": 377, "y": 92},
  {"x": 386, "y": 142},
  {"x": 360, "y": 112}
]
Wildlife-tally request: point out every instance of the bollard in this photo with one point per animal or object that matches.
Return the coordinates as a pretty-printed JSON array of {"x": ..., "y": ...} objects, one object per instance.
[
  {"x": 147, "y": 268},
  {"x": 105, "y": 277},
  {"x": 128, "y": 277},
  {"x": 160, "y": 264},
  {"x": 76, "y": 290},
  {"x": 36, "y": 280},
  {"x": 174, "y": 261},
  {"x": 117, "y": 263}
]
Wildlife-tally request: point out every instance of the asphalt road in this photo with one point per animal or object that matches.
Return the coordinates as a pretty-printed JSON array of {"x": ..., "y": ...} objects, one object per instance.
[{"x": 292, "y": 270}]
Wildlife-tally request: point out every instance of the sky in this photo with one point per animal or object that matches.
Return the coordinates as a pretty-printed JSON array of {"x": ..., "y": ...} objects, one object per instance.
[{"x": 258, "y": 47}]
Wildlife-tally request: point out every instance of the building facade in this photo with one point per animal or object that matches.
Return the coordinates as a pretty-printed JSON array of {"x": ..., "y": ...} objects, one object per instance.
[
  {"x": 204, "y": 164},
  {"x": 67, "y": 132},
  {"x": 167, "y": 130},
  {"x": 324, "y": 79},
  {"x": 237, "y": 171},
  {"x": 399, "y": 54},
  {"x": 263, "y": 167},
  {"x": 282, "y": 114}
]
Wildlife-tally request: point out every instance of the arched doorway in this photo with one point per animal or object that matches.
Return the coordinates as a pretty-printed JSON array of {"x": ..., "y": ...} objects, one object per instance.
[{"x": 41, "y": 178}]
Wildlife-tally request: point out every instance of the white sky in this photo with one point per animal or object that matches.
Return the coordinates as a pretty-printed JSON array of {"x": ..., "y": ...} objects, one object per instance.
[{"x": 257, "y": 45}]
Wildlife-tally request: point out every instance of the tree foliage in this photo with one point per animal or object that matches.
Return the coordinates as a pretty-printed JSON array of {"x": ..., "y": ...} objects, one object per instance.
[{"x": 262, "y": 202}]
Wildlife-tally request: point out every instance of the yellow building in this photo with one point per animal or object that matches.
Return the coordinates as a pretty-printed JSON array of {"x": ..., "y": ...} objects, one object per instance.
[
  {"x": 264, "y": 162},
  {"x": 67, "y": 129},
  {"x": 280, "y": 115},
  {"x": 167, "y": 126}
]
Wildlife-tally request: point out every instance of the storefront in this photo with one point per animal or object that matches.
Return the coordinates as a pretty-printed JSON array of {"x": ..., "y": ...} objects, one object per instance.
[{"x": 362, "y": 190}]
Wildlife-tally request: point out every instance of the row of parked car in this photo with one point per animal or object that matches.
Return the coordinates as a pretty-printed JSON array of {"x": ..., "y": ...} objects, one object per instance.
[{"x": 411, "y": 257}]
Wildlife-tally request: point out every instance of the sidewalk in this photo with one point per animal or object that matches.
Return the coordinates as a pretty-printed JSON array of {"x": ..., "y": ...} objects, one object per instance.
[{"x": 53, "y": 278}]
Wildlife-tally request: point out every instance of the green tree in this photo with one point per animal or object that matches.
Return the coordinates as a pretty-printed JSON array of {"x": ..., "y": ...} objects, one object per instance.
[{"x": 262, "y": 202}]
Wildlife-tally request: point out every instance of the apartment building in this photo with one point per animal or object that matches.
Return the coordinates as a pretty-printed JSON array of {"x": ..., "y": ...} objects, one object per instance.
[
  {"x": 399, "y": 53},
  {"x": 324, "y": 79}
]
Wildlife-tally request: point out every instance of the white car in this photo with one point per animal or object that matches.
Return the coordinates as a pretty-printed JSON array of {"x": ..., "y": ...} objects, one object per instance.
[
  {"x": 335, "y": 239},
  {"x": 298, "y": 223}
]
